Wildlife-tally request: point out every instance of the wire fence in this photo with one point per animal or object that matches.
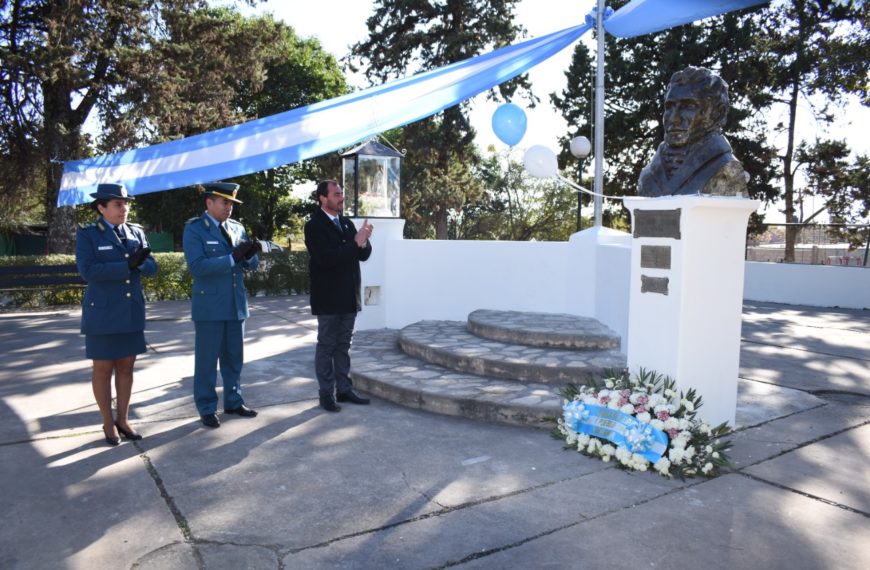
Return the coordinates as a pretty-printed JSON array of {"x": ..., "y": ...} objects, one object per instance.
[{"x": 817, "y": 244}]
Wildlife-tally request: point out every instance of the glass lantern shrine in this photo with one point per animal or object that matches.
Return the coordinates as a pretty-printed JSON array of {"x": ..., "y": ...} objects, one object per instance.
[{"x": 370, "y": 177}]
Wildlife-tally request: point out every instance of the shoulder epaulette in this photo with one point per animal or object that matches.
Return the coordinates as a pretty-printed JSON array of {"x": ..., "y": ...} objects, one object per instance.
[
  {"x": 230, "y": 220},
  {"x": 135, "y": 225},
  {"x": 193, "y": 219},
  {"x": 86, "y": 225}
]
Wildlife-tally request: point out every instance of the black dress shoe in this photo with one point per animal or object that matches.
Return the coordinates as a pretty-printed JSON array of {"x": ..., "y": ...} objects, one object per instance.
[
  {"x": 110, "y": 439},
  {"x": 352, "y": 397},
  {"x": 210, "y": 420},
  {"x": 131, "y": 435},
  {"x": 328, "y": 404},
  {"x": 243, "y": 411}
]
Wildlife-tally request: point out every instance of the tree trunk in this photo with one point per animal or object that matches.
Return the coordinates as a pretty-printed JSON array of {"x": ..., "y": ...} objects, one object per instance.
[
  {"x": 441, "y": 223},
  {"x": 61, "y": 221}
]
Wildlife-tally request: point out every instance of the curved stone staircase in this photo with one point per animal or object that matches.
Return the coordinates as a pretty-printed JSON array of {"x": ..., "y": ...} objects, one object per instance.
[{"x": 502, "y": 366}]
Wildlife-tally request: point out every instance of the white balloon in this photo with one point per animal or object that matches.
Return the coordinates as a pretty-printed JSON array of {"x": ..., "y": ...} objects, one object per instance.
[
  {"x": 540, "y": 161},
  {"x": 580, "y": 147}
]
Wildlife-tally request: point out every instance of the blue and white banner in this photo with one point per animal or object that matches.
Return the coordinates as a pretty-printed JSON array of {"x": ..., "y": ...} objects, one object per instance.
[
  {"x": 641, "y": 17},
  {"x": 618, "y": 427},
  {"x": 306, "y": 132}
]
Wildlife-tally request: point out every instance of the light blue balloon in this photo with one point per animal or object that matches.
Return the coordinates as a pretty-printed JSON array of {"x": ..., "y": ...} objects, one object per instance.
[{"x": 509, "y": 123}]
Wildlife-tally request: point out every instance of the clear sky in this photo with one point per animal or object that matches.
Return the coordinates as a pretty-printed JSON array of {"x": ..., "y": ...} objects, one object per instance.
[{"x": 341, "y": 23}]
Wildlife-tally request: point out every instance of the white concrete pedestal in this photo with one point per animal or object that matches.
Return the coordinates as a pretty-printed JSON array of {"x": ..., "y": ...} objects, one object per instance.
[
  {"x": 375, "y": 293},
  {"x": 686, "y": 294}
]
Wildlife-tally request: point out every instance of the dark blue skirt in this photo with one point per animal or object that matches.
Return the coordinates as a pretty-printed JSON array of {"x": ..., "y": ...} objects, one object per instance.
[{"x": 114, "y": 346}]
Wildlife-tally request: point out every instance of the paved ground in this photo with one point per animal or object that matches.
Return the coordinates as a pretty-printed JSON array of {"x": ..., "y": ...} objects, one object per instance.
[{"x": 385, "y": 486}]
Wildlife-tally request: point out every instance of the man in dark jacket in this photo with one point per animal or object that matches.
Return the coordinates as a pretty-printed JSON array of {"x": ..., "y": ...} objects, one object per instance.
[{"x": 335, "y": 248}]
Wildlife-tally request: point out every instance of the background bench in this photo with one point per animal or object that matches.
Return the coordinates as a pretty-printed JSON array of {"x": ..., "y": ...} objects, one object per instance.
[{"x": 18, "y": 277}]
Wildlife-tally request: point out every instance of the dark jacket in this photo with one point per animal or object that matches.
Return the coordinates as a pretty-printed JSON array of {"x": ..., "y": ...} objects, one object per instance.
[
  {"x": 113, "y": 302},
  {"x": 334, "y": 265}
]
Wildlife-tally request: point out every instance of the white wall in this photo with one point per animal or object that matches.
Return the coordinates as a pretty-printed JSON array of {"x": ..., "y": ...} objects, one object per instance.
[
  {"x": 447, "y": 280},
  {"x": 814, "y": 285}
]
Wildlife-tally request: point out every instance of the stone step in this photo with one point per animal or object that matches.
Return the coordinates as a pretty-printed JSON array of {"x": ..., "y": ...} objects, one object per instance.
[
  {"x": 381, "y": 368},
  {"x": 548, "y": 330},
  {"x": 449, "y": 344}
]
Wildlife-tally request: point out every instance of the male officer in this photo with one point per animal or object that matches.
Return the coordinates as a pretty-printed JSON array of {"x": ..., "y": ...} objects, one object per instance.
[
  {"x": 218, "y": 252},
  {"x": 335, "y": 248}
]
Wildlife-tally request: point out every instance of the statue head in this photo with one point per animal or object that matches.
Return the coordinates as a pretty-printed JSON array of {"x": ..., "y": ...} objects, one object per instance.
[{"x": 696, "y": 104}]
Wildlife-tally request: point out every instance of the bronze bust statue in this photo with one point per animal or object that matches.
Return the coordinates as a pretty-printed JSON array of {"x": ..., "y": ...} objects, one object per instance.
[{"x": 694, "y": 158}]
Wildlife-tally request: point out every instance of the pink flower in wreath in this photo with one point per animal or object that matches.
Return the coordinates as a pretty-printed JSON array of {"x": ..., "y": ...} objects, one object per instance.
[
  {"x": 673, "y": 433},
  {"x": 663, "y": 415},
  {"x": 604, "y": 399}
]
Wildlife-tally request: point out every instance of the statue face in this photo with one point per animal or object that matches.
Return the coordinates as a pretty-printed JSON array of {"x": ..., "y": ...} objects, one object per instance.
[{"x": 688, "y": 117}]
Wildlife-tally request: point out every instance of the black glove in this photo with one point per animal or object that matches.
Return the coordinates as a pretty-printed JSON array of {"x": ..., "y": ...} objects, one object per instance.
[
  {"x": 256, "y": 247},
  {"x": 241, "y": 250},
  {"x": 138, "y": 257}
]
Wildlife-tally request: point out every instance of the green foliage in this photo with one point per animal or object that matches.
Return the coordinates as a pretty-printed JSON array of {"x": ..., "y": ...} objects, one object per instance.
[
  {"x": 410, "y": 36},
  {"x": 279, "y": 273},
  {"x": 814, "y": 55},
  {"x": 516, "y": 206},
  {"x": 295, "y": 72},
  {"x": 172, "y": 280}
]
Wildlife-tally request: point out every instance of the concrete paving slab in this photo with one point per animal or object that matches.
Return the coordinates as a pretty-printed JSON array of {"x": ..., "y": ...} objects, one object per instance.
[
  {"x": 730, "y": 522},
  {"x": 759, "y": 402},
  {"x": 803, "y": 370},
  {"x": 834, "y": 469},
  {"x": 294, "y": 474},
  {"x": 448, "y": 535},
  {"x": 74, "y": 503},
  {"x": 771, "y": 439}
]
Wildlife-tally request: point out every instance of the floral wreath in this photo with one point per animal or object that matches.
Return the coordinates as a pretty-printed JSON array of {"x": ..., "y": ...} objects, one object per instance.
[{"x": 642, "y": 421}]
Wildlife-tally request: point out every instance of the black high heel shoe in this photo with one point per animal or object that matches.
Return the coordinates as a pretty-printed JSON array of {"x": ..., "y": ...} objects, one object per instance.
[
  {"x": 131, "y": 435},
  {"x": 109, "y": 439}
]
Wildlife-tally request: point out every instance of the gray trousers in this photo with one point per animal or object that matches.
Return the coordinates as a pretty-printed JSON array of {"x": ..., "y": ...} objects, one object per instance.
[{"x": 332, "y": 355}]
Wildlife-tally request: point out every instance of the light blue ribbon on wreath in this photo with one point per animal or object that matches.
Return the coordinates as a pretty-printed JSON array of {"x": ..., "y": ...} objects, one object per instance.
[{"x": 617, "y": 427}]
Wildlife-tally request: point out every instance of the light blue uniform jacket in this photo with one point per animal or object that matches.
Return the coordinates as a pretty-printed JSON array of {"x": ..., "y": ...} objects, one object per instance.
[
  {"x": 218, "y": 285},
  {"x": 113, "y": 301}
]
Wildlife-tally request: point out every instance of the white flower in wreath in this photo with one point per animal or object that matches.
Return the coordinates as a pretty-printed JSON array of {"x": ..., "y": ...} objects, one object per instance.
[
  {"x": 688, "y": 404},
  {"x": 644, "y": 417},
  {"x": 715, "y": 455},
  {"x": 705, "y": 428},
  {"x": 655, "y": 400},
  {"x": 663, "y": 466},
  {"x": 684, "y": 424},
  {"x": 675, "y": 454},
  {"x": 690, "y": 452},
  {"x": 658, "y": 424},
  {"x": 639, "y": 462},
  {"x": 707, "y": 468},
  {"x": 681, "y": 440},
  {"x": 672, "y": 423},
  {"x": 627, "y": 409},
  {"x": 591, "y": 400},
  {"x": 608, "y": 383}
]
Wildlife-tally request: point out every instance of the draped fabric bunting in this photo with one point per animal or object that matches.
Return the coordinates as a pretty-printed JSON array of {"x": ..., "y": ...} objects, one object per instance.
[
  {"x": 306, "y": 132},
  {"x": 640, "y": 17}
]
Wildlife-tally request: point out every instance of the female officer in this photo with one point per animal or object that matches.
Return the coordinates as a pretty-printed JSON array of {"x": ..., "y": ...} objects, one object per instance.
[{"x": 111, "y": 255}]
